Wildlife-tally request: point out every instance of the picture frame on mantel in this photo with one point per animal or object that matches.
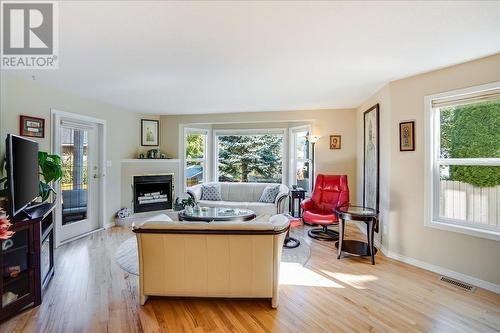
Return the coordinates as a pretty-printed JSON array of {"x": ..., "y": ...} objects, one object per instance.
[
  {"x": 150, "y": 132},
  {"x": 371, "y": 157},
  {"x": 407, "y": 136},
  {"x": 32, "y": 127}
]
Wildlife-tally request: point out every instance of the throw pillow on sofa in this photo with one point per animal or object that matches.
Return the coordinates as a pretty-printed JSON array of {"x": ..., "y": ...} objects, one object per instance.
[
  {"x": 270, "y": 193},
  {"x": 210, "y": 193}
]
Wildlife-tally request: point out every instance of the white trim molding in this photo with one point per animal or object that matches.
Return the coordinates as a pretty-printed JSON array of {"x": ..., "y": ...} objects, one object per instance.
[
  {"x": 433, "y": 161},
  {"x": 443, "y": 271},
  {"x": 56, "y": 116},
  {"x": 292, "y": 158},
  {"x": 431, "y": 267},
  {"x": 184, "y": 130}
]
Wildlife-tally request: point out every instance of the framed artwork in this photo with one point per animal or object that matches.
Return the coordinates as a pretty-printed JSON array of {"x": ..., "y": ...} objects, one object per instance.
[
  {"x": 150, "y": 132},
  {"x": 371, "y": 155},
  {"x": 335, "y": 141},
  {"x": 407, "y": 136},
  {"x": 32, "y": 127}
]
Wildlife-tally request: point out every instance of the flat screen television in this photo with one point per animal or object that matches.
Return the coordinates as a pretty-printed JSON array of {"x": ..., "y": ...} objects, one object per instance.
[{"x": 22, "y": 172}]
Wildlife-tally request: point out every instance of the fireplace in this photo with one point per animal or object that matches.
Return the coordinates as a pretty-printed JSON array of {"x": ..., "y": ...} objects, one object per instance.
[{"x": 152, "y": 192}]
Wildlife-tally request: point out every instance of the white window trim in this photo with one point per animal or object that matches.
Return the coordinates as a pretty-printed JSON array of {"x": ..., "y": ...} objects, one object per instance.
[
  {"x": 182, "y": 153},
  {"x": 432, "y": 162},
  {"x": 293, "y": 160},
  {"x": 260, "y": 131}
]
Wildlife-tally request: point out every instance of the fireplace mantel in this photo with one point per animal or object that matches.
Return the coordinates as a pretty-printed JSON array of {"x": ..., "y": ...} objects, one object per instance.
[{"x": 137, "y": 167}]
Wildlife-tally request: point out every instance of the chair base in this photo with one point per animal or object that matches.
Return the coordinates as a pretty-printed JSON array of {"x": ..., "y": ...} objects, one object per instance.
[
  {"x": 291, "y": 243},
  {"x": 323, "y": 233}
]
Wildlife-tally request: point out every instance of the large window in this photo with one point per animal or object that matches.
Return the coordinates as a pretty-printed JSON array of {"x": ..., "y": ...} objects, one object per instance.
[
  {"x": 299, "y": 157},
  {"x": 249, "y": 156},
  {"x": 195, "y": 156},
  {"x": 464, "y": 156}
]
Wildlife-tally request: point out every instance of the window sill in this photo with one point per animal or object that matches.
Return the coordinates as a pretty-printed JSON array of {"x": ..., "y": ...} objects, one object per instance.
[{"x": 481, "y": 233}]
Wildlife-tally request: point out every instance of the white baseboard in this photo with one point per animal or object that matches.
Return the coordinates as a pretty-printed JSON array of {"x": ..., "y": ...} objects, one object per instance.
[
  {"x": 436, "y": 269},
  {"x": 444, "y": 271}
]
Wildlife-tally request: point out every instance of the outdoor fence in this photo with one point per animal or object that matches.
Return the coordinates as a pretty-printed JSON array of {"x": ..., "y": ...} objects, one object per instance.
[{"x": 462, "y": 201}]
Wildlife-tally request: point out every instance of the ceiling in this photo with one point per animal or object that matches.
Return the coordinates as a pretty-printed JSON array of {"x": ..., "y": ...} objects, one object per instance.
[{"x": 211, "y": 57}]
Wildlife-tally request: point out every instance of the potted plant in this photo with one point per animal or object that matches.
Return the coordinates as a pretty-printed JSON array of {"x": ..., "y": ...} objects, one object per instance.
[
  {"x": 50, "y": 170},
  {"x": 188, "y": 203}
]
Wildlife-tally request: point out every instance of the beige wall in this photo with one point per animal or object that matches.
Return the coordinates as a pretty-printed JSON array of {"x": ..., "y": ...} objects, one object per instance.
[
  {"x": 402, "y": 174},
  {"x": 20, "y": 96},
  {"x": 324, "y": 123},
  {"x": 382, "y": 97}
]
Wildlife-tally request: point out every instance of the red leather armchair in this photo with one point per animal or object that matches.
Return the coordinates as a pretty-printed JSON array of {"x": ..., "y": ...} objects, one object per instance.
[{"x": 330, "y": 192}]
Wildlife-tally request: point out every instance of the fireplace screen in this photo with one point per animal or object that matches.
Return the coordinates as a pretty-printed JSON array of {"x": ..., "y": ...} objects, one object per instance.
[{"x": 152, "y": 193}]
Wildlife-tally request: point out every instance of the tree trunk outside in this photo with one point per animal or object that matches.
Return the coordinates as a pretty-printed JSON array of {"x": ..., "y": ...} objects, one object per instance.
[{"x": 244, "y": 172}]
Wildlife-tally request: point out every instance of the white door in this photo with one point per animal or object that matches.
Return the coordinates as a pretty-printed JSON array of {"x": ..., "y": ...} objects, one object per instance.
[{"x": 78, "y": 144}]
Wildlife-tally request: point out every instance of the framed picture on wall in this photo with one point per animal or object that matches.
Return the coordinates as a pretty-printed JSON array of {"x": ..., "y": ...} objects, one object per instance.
[
  {"x": 335, "y": 141},
  {"x": 32, "y": 127},
  {"x": 371, "y": 154},
  {"x": 407, "y": 136},
  {"x": 150, "y": 132}
]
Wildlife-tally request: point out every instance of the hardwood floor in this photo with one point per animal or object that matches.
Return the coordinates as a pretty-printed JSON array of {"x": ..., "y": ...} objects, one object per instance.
[{"x": 90, "y": 293}]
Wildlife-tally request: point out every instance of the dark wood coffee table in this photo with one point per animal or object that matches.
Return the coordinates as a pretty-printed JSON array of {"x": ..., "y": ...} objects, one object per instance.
[{"x": 357, "y": 213}]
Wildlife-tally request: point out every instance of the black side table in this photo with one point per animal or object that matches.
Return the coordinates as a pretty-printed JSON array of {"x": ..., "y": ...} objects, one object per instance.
[
  {"x": 357, "y": 213},
  {"x": 296, "y": 194}
]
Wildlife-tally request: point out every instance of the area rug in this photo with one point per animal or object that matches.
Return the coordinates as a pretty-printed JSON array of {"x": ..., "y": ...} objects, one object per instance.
[{"x": 126, "y": 255}]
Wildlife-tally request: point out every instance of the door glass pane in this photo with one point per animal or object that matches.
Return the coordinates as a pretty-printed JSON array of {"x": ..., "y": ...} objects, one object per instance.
[
  {"x": 301, "y": 145},
  {"x": 74, "y": 154},
  {"x": 194, "y": 173},
  {"x": 15, "y": 267},
  {"x": 302, "y": 162},
  {"x": 302, "y": 174},
  {"x": 195, "y": 145}
]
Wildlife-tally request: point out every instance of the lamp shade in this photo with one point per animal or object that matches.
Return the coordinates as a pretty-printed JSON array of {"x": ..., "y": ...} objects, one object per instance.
[{"x": 312, "y": 138}]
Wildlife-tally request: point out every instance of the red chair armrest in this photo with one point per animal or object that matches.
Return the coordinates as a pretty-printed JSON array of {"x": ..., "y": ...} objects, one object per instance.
[{"x": 307, "y": 204}]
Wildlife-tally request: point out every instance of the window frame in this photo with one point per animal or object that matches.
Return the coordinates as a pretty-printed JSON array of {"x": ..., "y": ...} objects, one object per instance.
[
  {"x": 261, "y": 131},
  {"x": 293, "y": 150},
  {"x": 185, "y": 159},
  {"x": 433, "y": 161}
]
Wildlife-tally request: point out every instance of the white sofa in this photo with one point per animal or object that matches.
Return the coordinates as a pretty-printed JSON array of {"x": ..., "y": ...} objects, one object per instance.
[
  {"x": 217, "y": 259},
  {"x": 243, "y": 195}
]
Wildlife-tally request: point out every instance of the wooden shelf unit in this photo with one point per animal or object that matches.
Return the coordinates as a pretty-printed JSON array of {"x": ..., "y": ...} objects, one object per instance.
[{"x": 28, "y": 254}]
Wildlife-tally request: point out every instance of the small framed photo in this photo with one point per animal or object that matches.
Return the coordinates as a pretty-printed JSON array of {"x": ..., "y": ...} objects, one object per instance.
[
  {"x": 150, "y": 132},
  {"x": 32, "y": 127},
  {"x": 335, "y": 141},
  {"x": 407, "y": 136}
]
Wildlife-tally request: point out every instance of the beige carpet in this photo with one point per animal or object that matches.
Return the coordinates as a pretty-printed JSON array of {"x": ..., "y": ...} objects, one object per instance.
[{"x": 126, "y": 255}]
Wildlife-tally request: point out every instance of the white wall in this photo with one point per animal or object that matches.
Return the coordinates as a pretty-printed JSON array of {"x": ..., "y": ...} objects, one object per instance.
[
  {"x": 402, "y": 175},
  {"x": 24, "y": 97}
]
